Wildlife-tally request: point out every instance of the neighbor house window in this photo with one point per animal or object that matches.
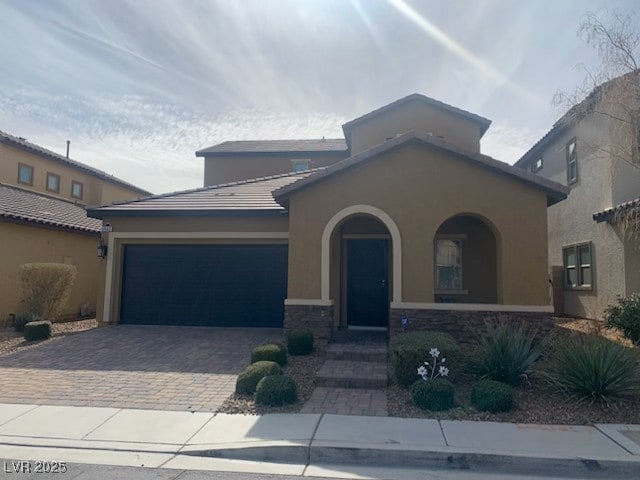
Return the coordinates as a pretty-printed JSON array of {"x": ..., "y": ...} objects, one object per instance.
[
  {"x": 300, "y": 165},
  {"x": 25, "y": 174},
  {"x": 572, "y": 161},
  {"x": 578, "y": 268},
  {"x": 53, "y": 182},
  {"x": 448, "y": 264},
  {"x": 537, "y": 165},
  {"x": 76, "y": 189}
]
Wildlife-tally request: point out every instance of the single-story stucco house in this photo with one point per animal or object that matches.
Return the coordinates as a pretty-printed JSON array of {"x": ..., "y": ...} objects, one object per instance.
[{"x": 409, "y": 221}]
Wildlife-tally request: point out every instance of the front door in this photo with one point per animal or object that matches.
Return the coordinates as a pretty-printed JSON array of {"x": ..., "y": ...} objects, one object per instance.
[{"x": 368, "y": 283}]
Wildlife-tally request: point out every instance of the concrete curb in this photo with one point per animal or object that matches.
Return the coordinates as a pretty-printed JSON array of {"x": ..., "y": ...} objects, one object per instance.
[
  {"x": 445, "y": 458},
  {"x": 454, "y": 459}
]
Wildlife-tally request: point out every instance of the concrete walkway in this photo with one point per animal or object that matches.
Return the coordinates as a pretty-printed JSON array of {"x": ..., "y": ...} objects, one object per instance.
[{"x": 184, "y": 440}]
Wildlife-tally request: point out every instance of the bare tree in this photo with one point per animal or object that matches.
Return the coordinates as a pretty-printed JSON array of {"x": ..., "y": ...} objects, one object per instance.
[{"x": 611, "y": 90}]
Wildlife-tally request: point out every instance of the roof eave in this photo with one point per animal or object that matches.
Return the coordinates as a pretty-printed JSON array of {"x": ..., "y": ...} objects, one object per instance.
[
  {"x": 104, "y": 213},
  {"x": 555, "y": 191}
]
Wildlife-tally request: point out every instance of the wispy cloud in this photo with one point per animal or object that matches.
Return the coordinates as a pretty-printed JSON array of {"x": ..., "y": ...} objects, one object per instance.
[{"x": 138, "y": 86}]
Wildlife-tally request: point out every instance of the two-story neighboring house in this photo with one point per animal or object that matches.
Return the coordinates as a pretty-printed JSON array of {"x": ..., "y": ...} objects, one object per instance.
[
  {"x": 593, "y": 149},
  {"x": 43, "y": 196}
]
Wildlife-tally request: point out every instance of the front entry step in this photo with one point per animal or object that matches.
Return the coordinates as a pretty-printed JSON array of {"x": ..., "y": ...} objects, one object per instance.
[
  {"x": 358, "y": 352},
  {"x": 349, "y": 374}
]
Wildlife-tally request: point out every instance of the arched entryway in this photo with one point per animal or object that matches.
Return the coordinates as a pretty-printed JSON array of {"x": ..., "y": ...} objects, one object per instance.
[
  {"x": 361, "y": 273},
  {"x": 466, "y": 256}
]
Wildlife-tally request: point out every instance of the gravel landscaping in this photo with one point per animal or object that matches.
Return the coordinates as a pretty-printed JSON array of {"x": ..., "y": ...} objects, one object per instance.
[
  {"x": 533, "y": 401},
  {"x": 12, "y": 341}
]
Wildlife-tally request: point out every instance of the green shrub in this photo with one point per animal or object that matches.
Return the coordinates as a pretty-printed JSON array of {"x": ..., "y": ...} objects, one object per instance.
[
  {"x": 434, "y": 395},
  {"x": 37, "y": 330},
  {"x": 625, "y": 316},
  {"x": 506, "y": 352},
  {"x": 491, "y": 396},
  {"x": 249, "y": 378},
  {"x": 408, "y": 351},
  {"x": 20, "y": 321},
  {"x": 276, "y": 390},
  {"x": 272, "y": 352},
  {"x": 300, "y": 342},
  {"x": 46, "y": 288},
  {"x": 592, "y": 368}
]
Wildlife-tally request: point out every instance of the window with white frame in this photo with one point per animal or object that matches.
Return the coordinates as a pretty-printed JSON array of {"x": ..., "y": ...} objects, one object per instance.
[
  {"x": 537, "y": 165},
  {"x": 572, "y": 161},
  {"x": 578, "y": 267},
  {"x": 448, "y": 259},
  {"x": 300, "y": 165}
]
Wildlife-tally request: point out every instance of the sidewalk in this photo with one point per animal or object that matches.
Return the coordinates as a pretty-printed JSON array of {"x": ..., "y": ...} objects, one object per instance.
[{"x": 184, "y": 440}]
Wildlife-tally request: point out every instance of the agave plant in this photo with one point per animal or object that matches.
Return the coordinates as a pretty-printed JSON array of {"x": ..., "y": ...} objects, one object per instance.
[
  {"x": 594, "y": 369},
  {"x": 506, "y": 353}
]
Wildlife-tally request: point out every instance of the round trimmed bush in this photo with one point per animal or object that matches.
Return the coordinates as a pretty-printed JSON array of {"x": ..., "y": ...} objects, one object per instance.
[
  {"x": 276, "y": 390},
  {"x": 37, "y": 330},
  {"x": 434, "y": 395},
  {"x": 300, "y": 342},
  {"x": 492, "y": 396},
  {"x": 249, "y": 378},
  {"x": 410, "y": 350},
  {"x": 272, "y": 352}
]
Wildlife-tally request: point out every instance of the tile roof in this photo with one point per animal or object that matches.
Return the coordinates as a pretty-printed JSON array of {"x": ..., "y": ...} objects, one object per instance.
[
  {"x": 276, "y": 146},
  {"x": 555, "y": 191},
  {"x": 23, "y": 144},
  {"x": 23, "y": 205},
  {"x": 253, "y": 196},
  {"x": 610, "y": 213}
]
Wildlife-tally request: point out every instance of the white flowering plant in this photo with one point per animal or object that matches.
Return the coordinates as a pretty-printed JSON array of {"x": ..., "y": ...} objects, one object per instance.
[{"x": 435, "y": 368}]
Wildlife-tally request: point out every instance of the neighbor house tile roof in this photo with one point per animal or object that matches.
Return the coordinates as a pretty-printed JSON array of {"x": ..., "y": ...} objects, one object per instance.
[
  {"x": 23, "y": 144},
  {"x": 253, "y": 196},
  {"x": 554, "y": 191},
  {"x": 610, "y": 213},
  {"x": 275, "y": 146},
  {"x": 22, "y": 205}
]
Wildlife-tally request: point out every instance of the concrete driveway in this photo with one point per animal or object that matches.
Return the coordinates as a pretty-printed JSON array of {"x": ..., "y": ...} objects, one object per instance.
[{"x": 122, "y": 366}]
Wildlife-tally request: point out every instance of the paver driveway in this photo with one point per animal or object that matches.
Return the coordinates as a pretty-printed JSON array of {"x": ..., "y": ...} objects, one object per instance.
[{"x": 125, "y": 366}]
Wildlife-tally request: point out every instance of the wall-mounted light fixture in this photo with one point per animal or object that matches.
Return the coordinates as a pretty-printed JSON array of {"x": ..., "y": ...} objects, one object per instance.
[{"x": 102, "y": 250}]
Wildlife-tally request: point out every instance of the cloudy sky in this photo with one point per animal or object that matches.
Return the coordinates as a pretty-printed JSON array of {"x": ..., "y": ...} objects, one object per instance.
[{"x": 138, "y": 86}]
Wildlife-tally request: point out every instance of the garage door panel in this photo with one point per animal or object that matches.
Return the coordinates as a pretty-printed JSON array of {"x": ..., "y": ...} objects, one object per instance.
[{"x": 207, "y": 285}]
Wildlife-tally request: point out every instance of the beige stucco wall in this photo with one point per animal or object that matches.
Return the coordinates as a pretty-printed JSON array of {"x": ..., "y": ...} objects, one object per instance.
[
  {"x": 632, "y": 264},
  {"x": 231, "y": 168},
  {"x": 415, "y": 116},
  {"x": 571, "y": 221},
  {"x": 26, "y": 244},
  {"x": 191, "y": 226},
  {"x": 419, "y": 188},
  {"x": 95, "y": 190}
]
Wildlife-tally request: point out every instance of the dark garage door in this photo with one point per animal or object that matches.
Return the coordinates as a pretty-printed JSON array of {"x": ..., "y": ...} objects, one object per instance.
[{"x": 204, "y": 285}]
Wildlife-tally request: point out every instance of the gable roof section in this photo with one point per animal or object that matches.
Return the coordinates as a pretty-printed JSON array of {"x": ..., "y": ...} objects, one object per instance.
[
  {"x": 555, "y": 191},
  {"x": 22, "y": 144},
  {"x": 274, "y": 146},
  {"x": 25, "y": 206},
  {"x": 482, "y": 122},
  {"x": 610, "y": 213},
  {"x": 247, "y": 196}
]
